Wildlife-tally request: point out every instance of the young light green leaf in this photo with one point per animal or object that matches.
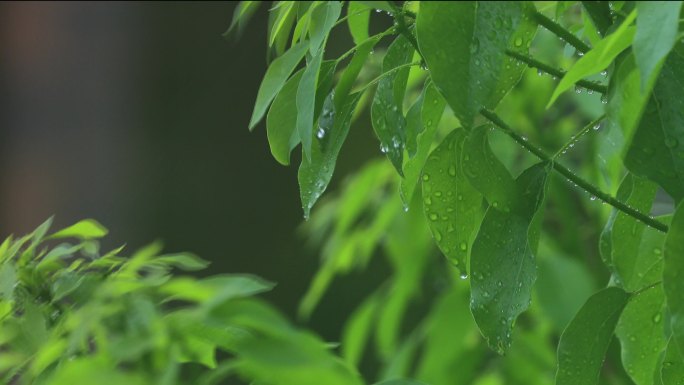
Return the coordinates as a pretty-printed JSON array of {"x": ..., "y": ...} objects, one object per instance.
[
  {"x": 467, "y": 67},
  {"x": 657, "y": 147},
  {"x": 400, "y": 382},
  {"x": 281, "y": 121},
  {"x": 243, "y": 12},
  {"x": 431, "y": 110},
  {"x": 657, "y": 25},
  {"x": 85, "y": 229},
  {"x": 599, "y": 58},
  {"x": 358, "y": 328},
  {"x": 387, "y": 113},
  {"x": 672, "y": 370},
  {"x": 184, "y": 261},
  {"x": 452, "y": 206},
  {"x": 8, "y": 280},
  {"x": 485, "y": 171},
  {"x": 315, "y": 174},
  {"x": 323, "y": 18},
  {"x": 358, "y": 16},
  {"x": 502, "y": 263},
  {"x": 275, "y": 78},
  {"x": 285, "y": 14},
  {"x": 642, "y": 335},
  {"x": 673, "y": 271},
  {"x": 583, "y": 344}
]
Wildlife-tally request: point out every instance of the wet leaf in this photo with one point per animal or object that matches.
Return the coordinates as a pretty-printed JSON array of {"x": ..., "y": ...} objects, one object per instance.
[
  {"x": 657, "y": 25},
  {"x": 673, "y": 284}
]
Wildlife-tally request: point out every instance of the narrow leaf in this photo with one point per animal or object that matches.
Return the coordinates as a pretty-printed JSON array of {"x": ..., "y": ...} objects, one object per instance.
[
  {"x": 275, "y": 78},
  {"x": 315, "y": 174},
  {"x": 583, "y": 344},
  {"x": 452, "y": 206},
  {"x": 281, "y": 121},
  {"x": 358, "y": 16},
  {"x": 657, "y": 25},
  {"x": 323, "y": 18},
  {"x": 243, "y": 12},
  {"x": 306, "y": 103},
  {"x": 502, "y": 263},
  {"x": 598, "y": 58}
]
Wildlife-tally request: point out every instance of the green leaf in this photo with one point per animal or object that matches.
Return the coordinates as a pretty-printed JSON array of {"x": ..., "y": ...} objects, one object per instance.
[
  {"x": 620, "y": 239},
  {"x": 306, "y": 103},
  {"x": 281, "y": 121},
  {"x": 8, "y": 280},
  {"x": 453, "y": 207},
  {"x": 275, "y": 78},
  {"x": 215, "y": 289},
  {"x": 352, "y": 71},
  {"x": 357, "y": 330},
  {"x": 400, "y": 382},
  {"x": 485, "y": 171},
  {"x": 243, "y": 12},
  {"x": 358, "y": 16},
  {"x": 599, "y": 12},
  {"x": 387, "y": 109},
  {"x": 184, "y": 261},
  {"x": 285, "y": 14},
  {"x": 673, "y": 284},
  {"x": 315, "y": 174},
  {"x": 642, "y": 335},
  {"x": 502, "y": 263},
  {"x": 85, "y": 229},
  {"x": 657, "y": 148},
  {"x": 583, "y": 344},
  {"x": 672, "y": 370},
  {"x": 657, "y": 25},
  {"x": 598, "y": 58},
  {"x": 323, "y": 18},
  {"x": 468, "y": 67},
  {"x": 431, "y": 109}
]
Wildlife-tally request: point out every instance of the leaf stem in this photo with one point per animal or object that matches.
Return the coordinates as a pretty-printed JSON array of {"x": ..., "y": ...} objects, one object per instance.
[
  {"x": 389, "y": 31},
  {"x": 403, "y": 29},
  {"x": 555, "y": 72},
  {"x": 561, "y": 32},
  {"x": 643, "y": 289},
  {"x": 578, "y": 135},
  {"x": 382, "y": 75},
  {"x": 569, "y": 175}
]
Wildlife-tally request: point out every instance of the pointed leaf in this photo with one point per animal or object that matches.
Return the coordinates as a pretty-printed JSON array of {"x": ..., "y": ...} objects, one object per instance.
[
  {"x": 673, "y": 284},
  {"x": 281, "y": 121},
  {"x": 468, "y": 66},
  {"x": 315, "y": 174},
  {"x": 275, "y": 78},
  {"x": 452, "y": 206},
  {"x": 672, "y": 370},
  {"x": 502, "y": 263},
  {"x": 243, "y": 12},
  {"x": 358, "y": 16},
  {"x": 657, "y": 25},
  {"x": 85, "y": 229},
  {"x": 598, "y": 58},
  {"x": 583, "y": 344},
  {"x": 387, "y": 109},
  {"x": 352, "y": 71},
  {"x": 323, "y": 18},
  {"x": 306, "y": 103}
]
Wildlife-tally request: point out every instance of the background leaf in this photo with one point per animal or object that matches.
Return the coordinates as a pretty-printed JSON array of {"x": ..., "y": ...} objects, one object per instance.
[
  {"x": 656, "y": 34},
  {"x": 672, "y": 275}
]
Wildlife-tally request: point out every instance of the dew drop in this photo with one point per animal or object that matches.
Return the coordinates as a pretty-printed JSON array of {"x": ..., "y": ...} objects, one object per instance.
[
  {"x": 320, "y": 133},
  {"x": 604, "y": 99},
  {"x": 426, "y": 177},
  {"x": 433, "y": 217},
  {"x": 657, "y": 317},
  {"x": 463, "y": 246},
  {"x": 593, "y": 198},
  {"x": 452, "y": 170},
  {"x": 518, "y": 41},
  {"x": 578, "y": 89},
  {"x": 464, "y": 276},
  {"x": 540, "y": 73}
]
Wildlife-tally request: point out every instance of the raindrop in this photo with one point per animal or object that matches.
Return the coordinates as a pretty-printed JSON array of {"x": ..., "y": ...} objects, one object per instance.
[
  {"x": 593, "y": 198},
  {"x": 464, "y": 276},
  {"x": 433, "y": 217},
  {"x": 597, "y": 126},
  {"x": 604, "y": 99},
  {"x": 384, "y": 148},
  {"x": 580, "y": 53},
  {"x": 540, "y": 73},
  {"x": 426, "y": 177},
  {"x": 320, "y": 133},
  {"x": 578, "y": 89},
  {"x": 590, "y": 91},
  {"x": 657, "y": 251},
  {"x": 604, "y": 73},
  {"x": 499, "y": 284},
  {"x": 657, "y": 317},
  {"x": 452, "y": 170},
  {"x": 463, "y": 246},
  {"x": 518, "y": 41}
]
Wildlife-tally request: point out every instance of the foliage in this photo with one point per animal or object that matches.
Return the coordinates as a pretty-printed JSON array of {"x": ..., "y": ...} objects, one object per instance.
[{"x": 526, "y": 251}]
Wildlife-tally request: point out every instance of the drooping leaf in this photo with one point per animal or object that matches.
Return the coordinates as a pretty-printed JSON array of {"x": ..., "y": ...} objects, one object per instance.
[
  {"x": 502, "y": 263},
  {"x": 583, "y": 344},
  {"x": 323, "y": 18},
  {"x": 469, "y": 67},
  {"x": 358, "y": 17},
  {"x": 642, "y": 335},
  {"x": 346, "y": 82},
  {"x": 357, "y": 330},
  {"x": 284, "y": 15},
  {"x": 673, "y": 271},
  {"x": 306, "y": 103},
  {"x": 315, "y": 174},
  {"x": 275, "y": 78},
  {"x": 85, "y": 229},
  {"x": 431, "y": 108},
  {"x": 387, "y": 109},
  {"x": 598, "y": 58},
  {"x": 656, "y": 150},
  {"x": 184, "y": 261},
  {"x": 485, "y": 171},
  {"x": 8, "y": 280},
  {"x": 243, "y": 12},
  {"x": 657, "y": 25},
  {"x": 452, "y": 206},
  {"x": 599, "y": 12},
  {"x": 281, "y": 121}
]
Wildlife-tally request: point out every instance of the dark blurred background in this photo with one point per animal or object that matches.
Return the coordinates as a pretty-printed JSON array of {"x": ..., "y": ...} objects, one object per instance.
[{"x": 136, "y": 114}]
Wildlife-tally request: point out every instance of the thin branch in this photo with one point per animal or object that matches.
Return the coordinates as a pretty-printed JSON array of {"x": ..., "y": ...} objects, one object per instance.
[
  {"x": 561, "y": 32},
  {"x": 591, "y": 125},
  {"x": 555, "y": 72},
  {"x": 569, "y": 175},
  {"x": 382, "y": 75}
]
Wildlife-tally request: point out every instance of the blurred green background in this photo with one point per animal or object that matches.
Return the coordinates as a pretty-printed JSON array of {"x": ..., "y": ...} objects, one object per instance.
[{"x": 136, "y": 114}]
